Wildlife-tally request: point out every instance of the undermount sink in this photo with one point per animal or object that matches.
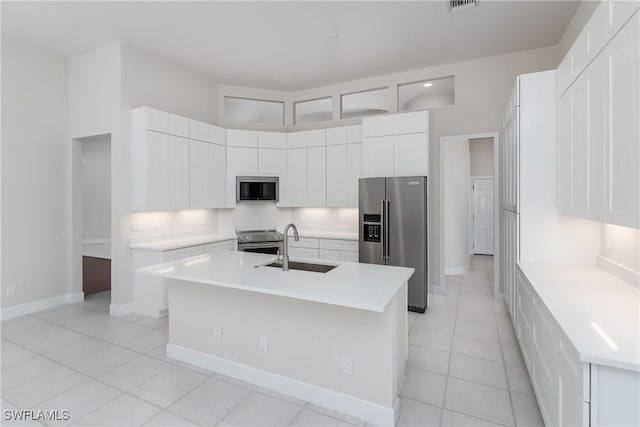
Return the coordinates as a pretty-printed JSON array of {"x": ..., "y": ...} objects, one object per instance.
[{"x": 304, "y": 266}]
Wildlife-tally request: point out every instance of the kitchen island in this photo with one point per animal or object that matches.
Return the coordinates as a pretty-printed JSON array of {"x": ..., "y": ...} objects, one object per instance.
[{"x": 336, "y": 339}]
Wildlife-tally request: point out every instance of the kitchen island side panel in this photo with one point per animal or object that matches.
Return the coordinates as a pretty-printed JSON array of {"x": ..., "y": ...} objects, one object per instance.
[{"x": 307, "y": 341}]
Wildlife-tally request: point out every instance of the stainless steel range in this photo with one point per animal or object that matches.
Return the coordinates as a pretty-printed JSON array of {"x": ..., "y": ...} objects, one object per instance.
[{"x": 261, "y": 241}]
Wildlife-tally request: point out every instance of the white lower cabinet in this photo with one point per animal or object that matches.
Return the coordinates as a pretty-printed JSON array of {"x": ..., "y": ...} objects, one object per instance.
[
  {"x": 570, "y": 392},
  {"x": 150, "y": 293},
  {"x": 324, "y": 249}
]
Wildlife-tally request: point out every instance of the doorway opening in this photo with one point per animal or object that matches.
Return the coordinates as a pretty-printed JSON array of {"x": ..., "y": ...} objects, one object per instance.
[
  {"x": 469, "y": 177},
  {"x": 91, "y": 158}
]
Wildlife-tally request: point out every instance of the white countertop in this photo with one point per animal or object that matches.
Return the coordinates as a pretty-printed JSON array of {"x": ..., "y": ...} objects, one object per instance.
[
  {"x": 97, "y": 250},
  {"x": 167, "y": 243},
  {"x": 599, "y": 313},
  {"x": 321, "y": 234},
  {"x": 361, "y": 286}
]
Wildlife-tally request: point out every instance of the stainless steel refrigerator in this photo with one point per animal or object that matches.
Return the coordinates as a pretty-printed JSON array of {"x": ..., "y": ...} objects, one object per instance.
[{"x": 393, "y": 229}]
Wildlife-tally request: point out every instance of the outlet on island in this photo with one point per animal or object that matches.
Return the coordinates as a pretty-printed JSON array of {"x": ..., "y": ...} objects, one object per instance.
[
  {"x": 264, "y": 343},
  {"x": 217, "y": 333},
  {"x": 11, "y": 290},
  {"x": 347, "y": 365}
]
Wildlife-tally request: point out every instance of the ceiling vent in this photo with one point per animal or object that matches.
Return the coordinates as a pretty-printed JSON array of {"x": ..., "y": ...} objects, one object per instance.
[{"x": 457, "y": 5}]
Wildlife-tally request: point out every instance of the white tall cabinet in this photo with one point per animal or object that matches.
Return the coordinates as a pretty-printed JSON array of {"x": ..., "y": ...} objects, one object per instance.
[
  {"x": 207, "y": 165},
  {"x": 598, "y": 125}
]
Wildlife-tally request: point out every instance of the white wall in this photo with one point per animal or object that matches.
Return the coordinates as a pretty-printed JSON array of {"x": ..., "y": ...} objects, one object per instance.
[
  {"x": 621, "y": 245},
  {"x": 253, "y": 216},
  {"x": 481, "y": 151},
  {"x": 36, "y": 159},
  {"x": 456, "y": 205},
  {"x": 96, "y": 188},
  {"x": 334, "y": 219}
]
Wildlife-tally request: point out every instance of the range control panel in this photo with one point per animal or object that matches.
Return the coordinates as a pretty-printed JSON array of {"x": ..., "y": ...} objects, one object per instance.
[{"x": 372, "y": 228}]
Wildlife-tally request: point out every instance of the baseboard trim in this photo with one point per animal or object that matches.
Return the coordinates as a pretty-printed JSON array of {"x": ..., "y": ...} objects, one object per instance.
[
  {"x": 359, "y": 408},
  {"x": 42, "y": 304},
  {"x": 620, "y": 271},
  {"x": 455, "y": 271},
  {"x": 121, "y": 309}
]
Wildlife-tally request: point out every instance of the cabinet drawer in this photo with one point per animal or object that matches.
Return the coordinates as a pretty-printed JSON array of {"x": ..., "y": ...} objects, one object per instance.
[
  {"x": 242, "y": 138},
  {"x": 295, "y": 252},
  {"x": 349, "y": 256},
  {"x": 569, "y": 362},
  {"x": 227, "y": 245},
  {"x": 377, "y": 126},
  {"x": 410, "y": 123},
  {"x": 339, "y": 245},
  {"x": 304, "y": 242},
  {"x": 183, "y": 253},
  {"x": 328, "y": 254}
]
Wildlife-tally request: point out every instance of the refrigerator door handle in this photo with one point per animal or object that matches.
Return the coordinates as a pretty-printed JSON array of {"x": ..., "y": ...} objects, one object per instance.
[
  {"x": 386, "y": 217},
  {"x": 384, "y": 229}
]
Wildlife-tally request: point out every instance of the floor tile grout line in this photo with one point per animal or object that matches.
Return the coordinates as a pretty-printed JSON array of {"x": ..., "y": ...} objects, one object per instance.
[
  {"x": 446, "y": 383},
  {"x": 504, "y": 364}
]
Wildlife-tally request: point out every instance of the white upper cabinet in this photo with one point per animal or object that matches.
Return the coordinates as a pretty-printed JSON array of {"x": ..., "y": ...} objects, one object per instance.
[
  {"x": 377, "y": 126},
  {"x": 242, "y": 160},
  {"x": 272, "y": 140},
  {"x": 154, "y": 120},
  {"x": 337, "y": 135},
  {"x": 151, "y": 178},
  {"x": 410, "y": 155},
  {"x": 293, "y": 185},
  {"x": 179, "y": 173},
  {"x": 208, "y": 133},
  {"x": 297, "y": 140},
  {"x": 622, "y": 150},
  {"x": 178, "y": 125},
  {"x": 354, "y": 134},
  {"x": 599, "y": 132},
  {"x": 316, "y": 177},
  {"x": 415, "y": 122},
  {"x": 316, "y": 138},
  {"x": 354, "y": 172},
  {"x": 337, "y": 175},
  {"x": 272, "y": 161},
  {"x": 377, "y": 156},
  {"x": 207, "y": 175},
  {"x": 242, "y": 138}
]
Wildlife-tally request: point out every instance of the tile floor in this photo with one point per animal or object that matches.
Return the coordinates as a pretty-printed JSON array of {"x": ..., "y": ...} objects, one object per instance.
[{"x": 465, "y": 369}]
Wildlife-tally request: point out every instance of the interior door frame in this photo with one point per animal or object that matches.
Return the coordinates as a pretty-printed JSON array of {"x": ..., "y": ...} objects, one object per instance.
[
  {"x": 472, "y": 210},
  {"x": 496, "y": 206}
]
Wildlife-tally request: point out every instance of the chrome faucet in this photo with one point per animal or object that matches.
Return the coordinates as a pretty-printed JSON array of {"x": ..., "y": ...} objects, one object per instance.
[{"x": 285, "y": 249}]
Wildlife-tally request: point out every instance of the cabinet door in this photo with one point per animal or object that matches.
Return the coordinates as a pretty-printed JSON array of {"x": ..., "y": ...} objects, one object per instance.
[
  {"x": 405, "y": 123},
  {"x": 158, "y": 155},
  {"x": 579, "y": 148},
  {"x": 179, "y": 173},
  {"x": 316, "y": 177},
  {"x": 545, "y": 363},
  {"x": 316, "y": 138},
  {"x": 336, "y": 176},
  {"x": 410, "y": 155},
  {"x": 178, "y": 125},
  {"x": 354, "y": 173},
  {"x": 377, "y": 126},
  {"x": 272, "y": 140},
  {"x": 272, "y": 161},
  {"x": 565, "y": 137},
  {"x": 510, "y": 257},
  {"x": 293, "y": 185},
  {"x": 354, "y": 134},
  {"x": 511, "y": 164},
  {"x": 337, "y": 136},
  {"x": 377, "y": 157},
  {"x": 242, "y": 138},
  {"x": 330, "y": 255},
  {"x": 622, "y": 152},
  {"x": 571, "y": 405},
  {"x": 242, "y": 160},
  {"x": 207, "y": 177}
]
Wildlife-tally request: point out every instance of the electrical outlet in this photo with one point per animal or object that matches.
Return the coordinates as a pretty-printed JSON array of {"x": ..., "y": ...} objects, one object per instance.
[
  {"x": 11, "y": 290},
  {"x": 347, "y": 365},
  {"x": 135, "y": 226},
  {"x": 264, "y": 344},
  {"x": 217, "y": 333}
]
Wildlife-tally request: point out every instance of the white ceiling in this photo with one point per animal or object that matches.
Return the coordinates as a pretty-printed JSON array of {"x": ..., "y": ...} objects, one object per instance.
[{"x": 284, "y": 45}]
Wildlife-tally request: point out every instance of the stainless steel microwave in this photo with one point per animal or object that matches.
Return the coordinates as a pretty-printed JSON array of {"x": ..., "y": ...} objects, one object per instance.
[{"x": 257, "y": 188}]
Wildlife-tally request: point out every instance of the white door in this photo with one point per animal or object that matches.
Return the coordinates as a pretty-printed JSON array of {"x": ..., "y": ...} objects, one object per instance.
[{"x": 483, "y": 216}]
